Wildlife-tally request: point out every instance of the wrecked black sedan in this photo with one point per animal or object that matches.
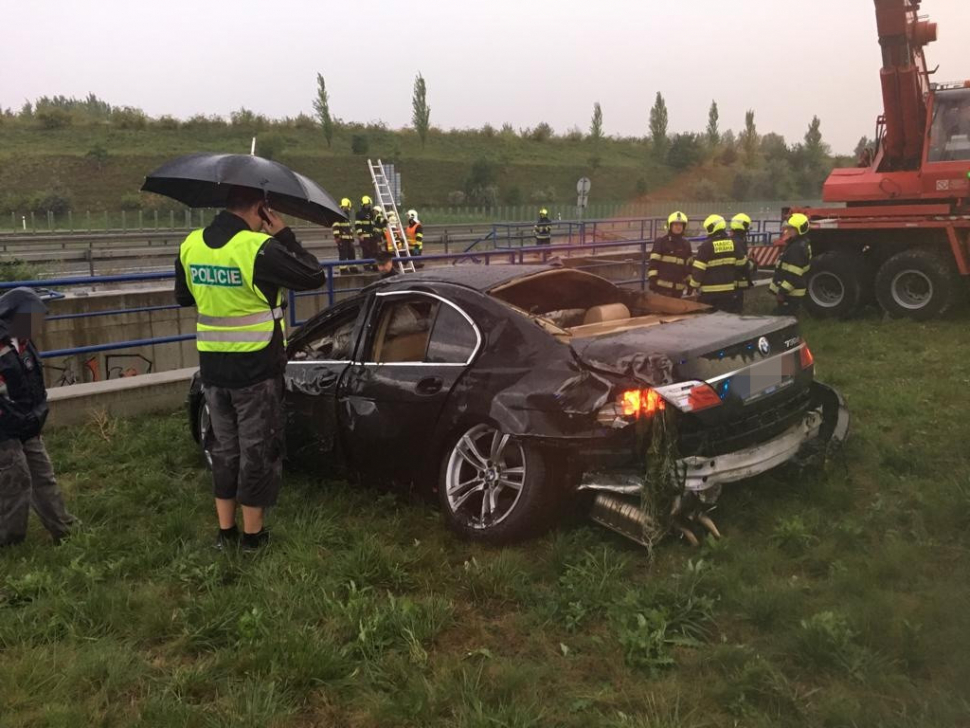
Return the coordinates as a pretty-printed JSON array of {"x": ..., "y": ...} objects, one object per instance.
[{"x": 509, "y": 389}]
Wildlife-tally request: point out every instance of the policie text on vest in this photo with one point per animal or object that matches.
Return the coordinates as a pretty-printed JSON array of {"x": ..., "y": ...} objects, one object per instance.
[{"x": 215, "y": 275}]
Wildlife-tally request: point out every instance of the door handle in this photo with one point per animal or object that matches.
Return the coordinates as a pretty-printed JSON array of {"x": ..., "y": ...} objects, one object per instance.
[{"x": 430, "y": 385}]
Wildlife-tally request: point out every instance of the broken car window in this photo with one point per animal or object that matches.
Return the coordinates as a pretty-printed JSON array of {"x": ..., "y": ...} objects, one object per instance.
[{"x": 333, "y": 341}]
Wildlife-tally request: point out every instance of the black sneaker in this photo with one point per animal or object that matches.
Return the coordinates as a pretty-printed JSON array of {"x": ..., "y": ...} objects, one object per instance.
[
  {"x": 227, "y": 537},
  {"x": 255, "y": 541}
]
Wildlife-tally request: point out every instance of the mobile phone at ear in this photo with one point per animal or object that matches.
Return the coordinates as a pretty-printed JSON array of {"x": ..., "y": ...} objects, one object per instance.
[{"x": 263, "y": 215}]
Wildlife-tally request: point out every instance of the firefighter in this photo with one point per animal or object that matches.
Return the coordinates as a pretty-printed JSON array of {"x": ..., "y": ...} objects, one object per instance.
[
  {"x": 343, "y": 234},
  {"x": 717, "y": 267},
  {"x": 543, "y": 228},
  {"x": 364, "y": 227},
  {"x": 670, "y": 259},
  {"x": 740, "y": 227},
  {"x": 415, "y": 233},
  {"x": 380, "y": 228},
  {"x": 235, "y": 272},
  {"x": 791, "y": 270}
]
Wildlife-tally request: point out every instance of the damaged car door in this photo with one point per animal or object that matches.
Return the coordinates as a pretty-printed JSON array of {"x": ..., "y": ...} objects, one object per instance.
[
  {"x": 417, "y": 347},
  {"x": 319, "y": 357}
]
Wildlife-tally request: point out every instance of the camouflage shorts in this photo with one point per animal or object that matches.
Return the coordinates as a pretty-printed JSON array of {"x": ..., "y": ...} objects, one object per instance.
[
  {"x": 245, "y": 441},
  {"x": 27, "y": 481}
]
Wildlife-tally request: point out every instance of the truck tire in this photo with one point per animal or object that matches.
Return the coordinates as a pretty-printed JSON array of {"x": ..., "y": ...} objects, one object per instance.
[
  {"x": 838, "y": 285},
  {"x": 916, "y": 283},
  {"x": 493, "y": 487}
]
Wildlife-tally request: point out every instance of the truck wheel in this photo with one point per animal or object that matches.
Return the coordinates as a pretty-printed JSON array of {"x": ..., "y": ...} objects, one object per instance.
[
  {"x": 916, "y": 283},
  {"x": 837, "y": 285},
  {"x": 493, "y": 487}
]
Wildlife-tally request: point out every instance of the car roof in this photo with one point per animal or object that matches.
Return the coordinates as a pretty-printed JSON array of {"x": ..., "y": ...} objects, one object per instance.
[{"x": 478, "y": 277}]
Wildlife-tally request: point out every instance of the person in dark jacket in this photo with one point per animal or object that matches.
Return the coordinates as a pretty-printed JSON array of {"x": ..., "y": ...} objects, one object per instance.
[
  {"x": 385, "y": 265},
  {"x": 234, "y": 272},
  {"x": 740, "y": 227},
  {"x": 26, "y": 474},
  {"x": 717, "y": 268},
  {"x": 788, "y": 285},
  {"x": 670, "y": 259},
  {"x": 364, "y": 227},
  {"x": 543, "y": 228}
]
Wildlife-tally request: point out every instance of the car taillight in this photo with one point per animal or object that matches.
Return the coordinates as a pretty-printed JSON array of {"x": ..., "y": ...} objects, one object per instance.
[
  {"x": 631, "y": 404},
  {"x": 636, "y": 402},
  {"x": 690, "y": 396},
  {"x": 806, "y": 356}
]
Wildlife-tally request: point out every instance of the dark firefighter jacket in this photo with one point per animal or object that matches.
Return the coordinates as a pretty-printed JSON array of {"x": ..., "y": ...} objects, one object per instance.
[
  {"x": 543, "y": 231},
  {"x": 380, "y": 225},
  {"x": 669, "y": 265},
  {"x": 792, "y": 268},
  {"x": 717, "y": 268},
  {"x": 23, "y": 396},
  {"x": 364, "y": 224},
  {"x": 343, "y": 231},
  {"x": 281, "y": 263},
  {"x": 747, "y": 278}
]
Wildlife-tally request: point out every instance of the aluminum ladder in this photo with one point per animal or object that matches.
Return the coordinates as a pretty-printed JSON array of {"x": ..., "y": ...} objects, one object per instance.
[{"x": 384, "y": 197}]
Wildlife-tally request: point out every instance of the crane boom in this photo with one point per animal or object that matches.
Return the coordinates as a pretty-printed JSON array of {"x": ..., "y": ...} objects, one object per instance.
[{"x": 905, "y": 81}]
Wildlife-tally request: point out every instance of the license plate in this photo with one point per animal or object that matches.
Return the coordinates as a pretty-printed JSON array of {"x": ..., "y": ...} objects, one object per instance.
[{"x": 764, "y": 378}]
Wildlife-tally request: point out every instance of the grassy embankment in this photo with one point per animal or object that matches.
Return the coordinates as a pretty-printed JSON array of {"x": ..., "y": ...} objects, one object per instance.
[{"x": 834, "y": 600}]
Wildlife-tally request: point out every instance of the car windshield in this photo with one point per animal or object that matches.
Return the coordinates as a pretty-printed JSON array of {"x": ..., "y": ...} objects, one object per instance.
[{"x": 950, "y": 131}]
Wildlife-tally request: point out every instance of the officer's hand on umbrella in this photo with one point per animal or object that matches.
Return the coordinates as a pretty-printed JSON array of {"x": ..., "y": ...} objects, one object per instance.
[{"x": 272, "y": 223}]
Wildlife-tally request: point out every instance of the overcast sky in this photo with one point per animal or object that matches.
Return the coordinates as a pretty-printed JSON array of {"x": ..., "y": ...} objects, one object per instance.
[{"x": 493, "y": 61}]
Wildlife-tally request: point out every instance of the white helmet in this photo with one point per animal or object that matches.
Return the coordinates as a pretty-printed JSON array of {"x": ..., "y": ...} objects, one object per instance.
[
  {"x": 413, "y": 214},
  {"x": 391, "y": 215}
]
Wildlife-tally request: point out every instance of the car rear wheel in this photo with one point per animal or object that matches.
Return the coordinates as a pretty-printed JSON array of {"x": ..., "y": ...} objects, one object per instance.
[
  {"x": 492, "y": 486},
  {"x": 918, "y": 284},
  {"x": 838, "y": 285}
]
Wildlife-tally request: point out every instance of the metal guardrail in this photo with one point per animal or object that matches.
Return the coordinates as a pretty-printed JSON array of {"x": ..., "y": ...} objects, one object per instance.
[{"x": 510, "y": 255}]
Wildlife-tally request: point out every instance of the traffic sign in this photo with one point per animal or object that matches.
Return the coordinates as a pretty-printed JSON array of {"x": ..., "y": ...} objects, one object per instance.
[{"x": 582, "y": 187}]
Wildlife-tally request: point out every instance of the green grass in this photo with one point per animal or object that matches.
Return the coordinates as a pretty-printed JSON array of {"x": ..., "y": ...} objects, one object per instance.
[
  {"x": 33, "y": 160},
  {"x": 837, "y": 598}
]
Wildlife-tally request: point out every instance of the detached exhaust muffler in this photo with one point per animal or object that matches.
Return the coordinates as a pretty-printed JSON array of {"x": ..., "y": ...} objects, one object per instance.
[{"x": 622, "y": 515}]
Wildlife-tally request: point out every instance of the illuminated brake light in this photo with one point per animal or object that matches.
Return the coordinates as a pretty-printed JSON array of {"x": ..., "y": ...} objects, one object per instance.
[
  {"x": 805, "y": 354},
  {"x": 636, "y": 402},
  {"x": 692, "y": 396}
]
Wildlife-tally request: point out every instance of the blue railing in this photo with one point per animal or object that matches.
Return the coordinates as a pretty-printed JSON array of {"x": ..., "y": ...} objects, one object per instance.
[{"x": 510, "y": 255}]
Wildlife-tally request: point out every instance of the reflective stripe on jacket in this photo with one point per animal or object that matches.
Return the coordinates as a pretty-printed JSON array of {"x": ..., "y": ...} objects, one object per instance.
[
  {"x": 342, "y": 231},
  {"x": 543, "y": 229},
  {"x": 233, "y": 314},
  {"x": 792, "y": 268},
  {"x": 669, "y": 264},
  {"x": 718, "y": 266}
]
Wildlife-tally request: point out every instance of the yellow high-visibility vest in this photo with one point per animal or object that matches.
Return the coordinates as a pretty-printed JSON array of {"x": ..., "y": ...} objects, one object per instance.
[{"x": 233, "y": 315}]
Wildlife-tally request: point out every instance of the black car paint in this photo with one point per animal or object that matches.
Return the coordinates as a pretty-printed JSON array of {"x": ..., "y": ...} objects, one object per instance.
[{"x": 522, "y": 379}]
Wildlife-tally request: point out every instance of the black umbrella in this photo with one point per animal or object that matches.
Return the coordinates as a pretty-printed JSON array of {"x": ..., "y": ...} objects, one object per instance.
[{"x": 204, "y": 180}]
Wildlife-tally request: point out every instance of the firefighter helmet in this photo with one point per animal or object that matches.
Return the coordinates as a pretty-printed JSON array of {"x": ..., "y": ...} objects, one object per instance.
[
  {"x": 543, "y": 212},
  {"x": 412, "y": 214},
  {"x": 714, "y": 224},
  {"x": 365, "y": 200},
  {"x": 799, "y": 223},
  {"x": 741, "y": 222},
  {"x": 345, "y": 203},
  {"x": 677, "y": 217}
]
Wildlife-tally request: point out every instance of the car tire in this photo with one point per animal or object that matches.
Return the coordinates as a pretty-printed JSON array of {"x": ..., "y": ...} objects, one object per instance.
[
  {"x": 838, "y": 285},
  {"x": 918, "y": 284},
  {"x": 476, "y": 486},
  {"x": 204, "y": 423}
]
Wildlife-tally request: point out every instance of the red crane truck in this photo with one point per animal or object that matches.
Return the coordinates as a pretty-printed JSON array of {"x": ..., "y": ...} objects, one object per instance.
[{"x": 903, "y": 234}]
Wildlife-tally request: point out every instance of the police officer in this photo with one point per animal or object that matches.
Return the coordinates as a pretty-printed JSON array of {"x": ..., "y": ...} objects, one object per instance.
[
  {"x": 415, "y": 233},
  {"x": 343, "y": 235},
  {"x": 740, "y": 227},
  {"x": 670, "y": 259},
  {"x": 364, "y": 227},
  {"x": 234, "y": 272},
  {"x": 717, "y": 267},
  {"x": 26, "y": 474},
  {"x": 543, "y": 228},
  {"x": 791, "y": 270}
]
